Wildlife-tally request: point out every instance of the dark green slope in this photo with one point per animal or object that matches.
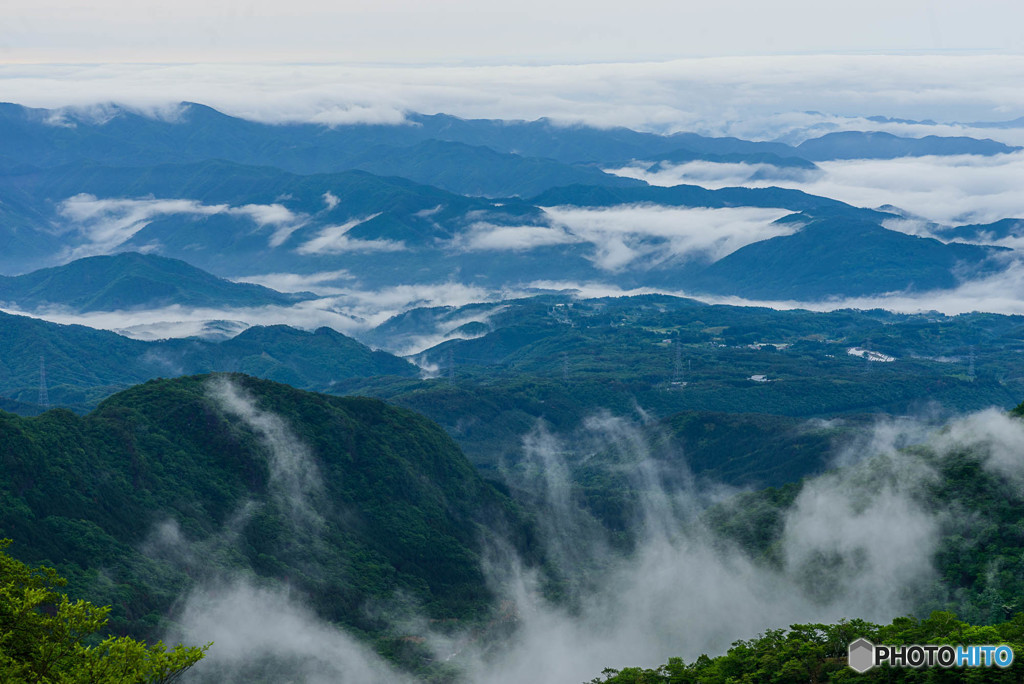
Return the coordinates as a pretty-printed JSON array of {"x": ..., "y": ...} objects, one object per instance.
[
  {"x": 758, "y": 448},
  {"x": 843, "y": 257},
  {"x": 561, "y": 359},
  {"x": 289, "y": 355},
  {"x": 83, "y": 365},
  {"x": 131, "y": 280},
  {"x": 400, "y": 508}
]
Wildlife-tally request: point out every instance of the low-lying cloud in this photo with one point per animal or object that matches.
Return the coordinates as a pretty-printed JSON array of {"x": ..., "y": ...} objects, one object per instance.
[
  {"x": 751, "y": 97},
  {"x": 625, "y": 234},
  {"x": 334, "y": 240},
  {"x": 490, "y": 237},
  {"x": 318, "y": 283},
  {"x": 183, "y": 321},
  {"x": 106, "y": 224},
  {"x": 950, "y": 190}
]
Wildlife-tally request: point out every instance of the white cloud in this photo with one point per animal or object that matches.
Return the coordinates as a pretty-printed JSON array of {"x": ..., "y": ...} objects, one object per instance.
[
  {"x": 623, "y": 234},
  {"x": 760, "y": 97},
  {"x": 333, "y": 240},
  {"x": 349, "y": 310},
  {"x": 946, "y": 189},
  {"x": 486, "y": 236},
  {"x": 283, "y": 219},
  {"x": 708, "y": 174},
  {"x": 106, "y": 224},
  {"x": 1001, "y": 293},
  {"x": 331, "y": 200},
  {"x": 445, "y": 328},
  {"x": 686, "y": 591},
  {"x": 406, "y": 31},
  {"x": 295, "y": 282},
  {"x": 253, "y": 626},
  {"x": 181, "y": 321}
]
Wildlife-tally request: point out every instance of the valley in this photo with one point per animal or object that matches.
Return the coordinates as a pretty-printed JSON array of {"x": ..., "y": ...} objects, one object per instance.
[{"x": 481, "y": 400}]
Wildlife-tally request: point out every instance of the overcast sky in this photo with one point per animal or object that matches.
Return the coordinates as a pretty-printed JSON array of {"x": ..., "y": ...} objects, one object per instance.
[
  {"x": 489, "y": 32},
  {"x": 724, "y": 67}
]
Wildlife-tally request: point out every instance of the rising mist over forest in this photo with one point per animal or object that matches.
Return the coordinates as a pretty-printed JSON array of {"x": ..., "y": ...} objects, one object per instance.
[{"x": 469, "y": 343}]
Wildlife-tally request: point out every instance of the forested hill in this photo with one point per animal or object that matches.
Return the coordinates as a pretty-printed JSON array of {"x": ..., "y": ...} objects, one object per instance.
[
  {"x": 349, "y": 499},
  {"x": 83, "y": 364},
  {"x": 131, "y": 280}
]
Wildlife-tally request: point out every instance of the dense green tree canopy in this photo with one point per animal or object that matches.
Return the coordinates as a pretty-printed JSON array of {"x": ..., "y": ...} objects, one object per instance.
[
  {"x": 817, "y": 653},
  {"x": 45, "y": 636}
]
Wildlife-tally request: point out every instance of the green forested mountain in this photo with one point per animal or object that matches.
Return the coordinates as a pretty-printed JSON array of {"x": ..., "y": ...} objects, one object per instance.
[
  {"x": 846, "y": 258},
  {"x": 347, "y": 498},
  {"x": 960, "y": 480},
  {"x": 560, "y": 358},
  {"x": 130, "y": 280},
  {"x": 83, "y": 365},
  {"x": 541, "y": 461}
]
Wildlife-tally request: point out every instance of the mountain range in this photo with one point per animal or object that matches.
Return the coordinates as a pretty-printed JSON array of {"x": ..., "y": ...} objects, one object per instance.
[{"x": 439, "y": 480}]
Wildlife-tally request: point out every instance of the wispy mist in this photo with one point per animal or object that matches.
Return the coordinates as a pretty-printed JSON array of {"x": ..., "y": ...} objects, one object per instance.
[
  {"x": 631, "y": 235},
  {"x": 684, "y": 590},
  {"x": 266, "y": 634},
  {"x": 295, "y": 481},
  {"x": 105, "y": 224},
  {"x": 858, "y": 541},
  {"x": 262, "y": 630}
]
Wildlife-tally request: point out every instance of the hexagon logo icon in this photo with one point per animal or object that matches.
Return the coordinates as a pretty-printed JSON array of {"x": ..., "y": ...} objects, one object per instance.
[{"x": 861, "y": 655}]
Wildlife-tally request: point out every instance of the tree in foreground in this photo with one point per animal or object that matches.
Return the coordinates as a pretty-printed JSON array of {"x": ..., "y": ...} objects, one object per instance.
[
  {"x": 45, "y": 636},
  {"x": 816, "y": 654}
]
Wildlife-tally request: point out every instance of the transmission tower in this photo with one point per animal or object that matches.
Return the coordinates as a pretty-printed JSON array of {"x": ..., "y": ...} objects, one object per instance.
[
  {"x": 451, "y": 362},
  {"x": 44, "y": 397},
  {"x": 677, "y": 365},
  {"x": 970, "y": 366}
]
